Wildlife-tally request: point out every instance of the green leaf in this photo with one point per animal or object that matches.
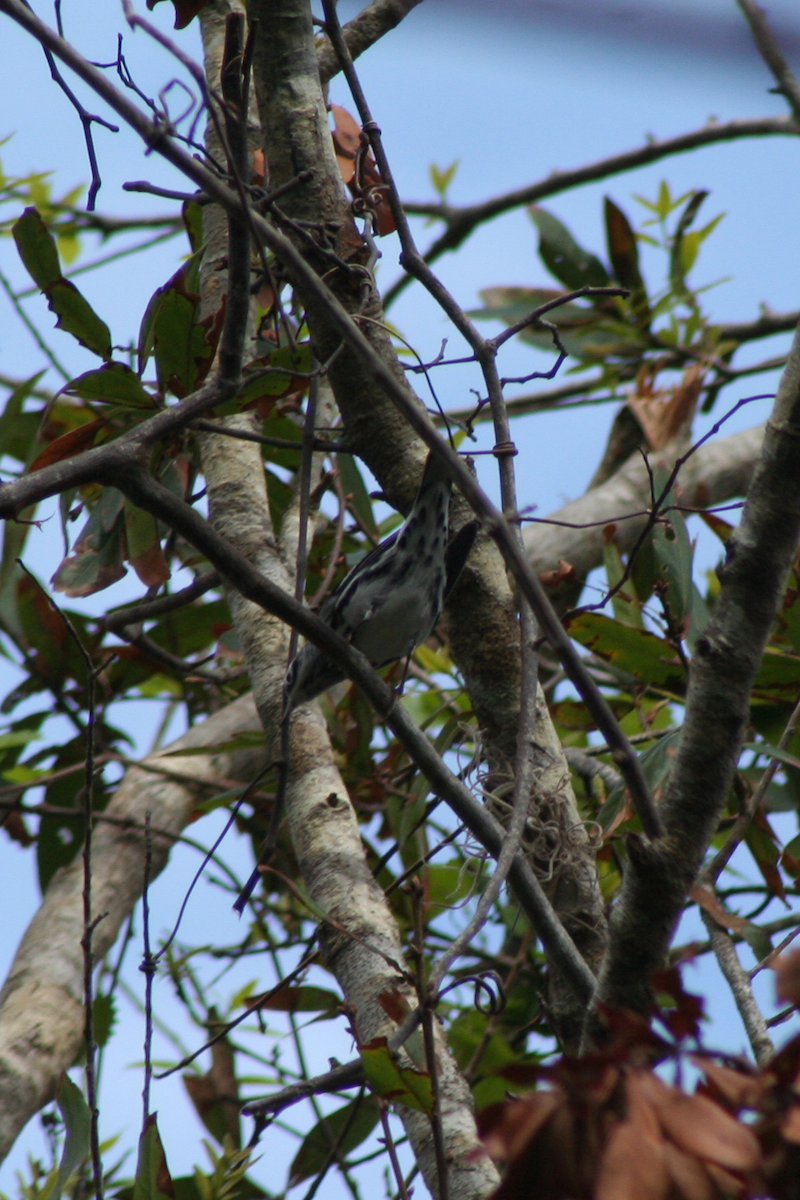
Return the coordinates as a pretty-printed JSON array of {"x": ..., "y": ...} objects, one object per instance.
[
  {"x": 144, "y": 546},
  {"x": 113, "y": 383},
  {"x": 441, "y": 179},
  {"x": 778, "y": 676},
  {"x": 37, "y": 249},
  {"x": 97, "y": 556},
  {"x": 192, "y": 214},
  {"x": 637, "y": 652},
  {"x": 770, "y": 751},
  {"x": 562, "y": 255},
  {"x": 172, "y": 331},
  {"x": 624, "y": 602},
  {"x": 757, "y": 939},
  {"x": 624, "y": 254},
  {"x": 104, "y": 1013},
  {"x": 18, "y": 430},
  {"x": 673, "y": 555},
  {"x": 19, "y": 737},
  {"x": 448, "y": 883},
  {"x": 677, "y": 272},
  {"x": 353, "y": 486},
  {"x": 403, "y": 1085},
  {"x": 76, "y": 316},
  {"x": 278, "y": 373},
  {"x": 586, "y": 331},
  {"x": 337, "y": 1134},
  {"x": 77, "y": 1118},
  {"x": 656, "y": 763},
  {"x": 303, "y": 999},
  {"x": 152, "y": 1180}
]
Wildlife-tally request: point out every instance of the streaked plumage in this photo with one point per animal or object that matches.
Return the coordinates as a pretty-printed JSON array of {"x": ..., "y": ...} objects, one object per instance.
[{"x": 391, "y": 600}]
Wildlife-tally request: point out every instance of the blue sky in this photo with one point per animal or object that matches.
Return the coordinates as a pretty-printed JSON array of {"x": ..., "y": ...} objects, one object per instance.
[{"x": 512, "y": 95}]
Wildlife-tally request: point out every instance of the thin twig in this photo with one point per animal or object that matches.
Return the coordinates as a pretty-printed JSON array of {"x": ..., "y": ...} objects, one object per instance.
[
  {"x": 426, "y": 1000},
  {"x": 388, "y": 1141},
  {"x": 90, "y": 922},
  {"x": 772, "y": 54},
  {"x": 148, "y": 967},
  {"x": 462, "y": 221},
  {"x": 720, "y": 860},
  {"x": 318, "y": 443},
  {"x": 146, "y": 610},
  {"x": 739, "y": 983}
]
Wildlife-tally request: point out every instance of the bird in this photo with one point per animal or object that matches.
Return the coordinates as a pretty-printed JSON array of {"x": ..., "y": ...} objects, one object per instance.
[{"x": 389, "y": 603}]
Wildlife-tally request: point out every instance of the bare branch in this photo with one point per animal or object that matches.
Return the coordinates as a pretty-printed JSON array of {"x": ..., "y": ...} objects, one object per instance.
[
  {"x": 41, "y": 1004},
  {"x": 772, "y": 54},
  {"x": 741, "y": 989},
  {"x": 461, "y": 222},
  {"x": 14, "y": 497},
  {"x": 362, "y": 32}
]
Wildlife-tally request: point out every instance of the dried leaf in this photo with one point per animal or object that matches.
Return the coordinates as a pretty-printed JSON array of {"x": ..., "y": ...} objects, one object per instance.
[
  {"x": 506, "y": 1129},
  {"x": 701, "y": 1127},
  {"x": 688, "y": 1174},
  {"x": 633, "y": 1166},
  {"x": 663, "y": 412},
  {"x": 735, "y": 1088},
  {"x": 714, "y": 907},
  {"x": 346, "y": 140},
  {"x": 68, "y": 444},
  {"x": 563, "y": 573},
  {"x": 790, "y": 1125},
  {"x": 787, "y": 977}
]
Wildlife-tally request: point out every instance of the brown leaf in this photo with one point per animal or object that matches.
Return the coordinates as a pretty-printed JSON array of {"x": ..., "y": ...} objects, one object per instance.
[
  {"x": 713, "y": 906},
  {"x": 688, "y": 1174},
  {"x": 16, "y": 829},
  {"x": 151, "y": 567},
  {"x": 68, "y": 444},
  {"x": 735, "y": 1087},
  {"x": 346, "y": 140},
  {"x": 564, "y": 573},
  {"x": 663, "y": 412},
  {"x": 215, "y": 1095},
  {"x": 633, "y": 1166},
  {"x": 790, "y": 1125},
  {"x": 506, "y": 1129},
  {"x": 699, "y": 1126},
  {"x": 185, "y": 10},
  {"x": 259, "y": 169},
  {"x": 787, "y": 977},
  {"x": 395, "y": 1004}
]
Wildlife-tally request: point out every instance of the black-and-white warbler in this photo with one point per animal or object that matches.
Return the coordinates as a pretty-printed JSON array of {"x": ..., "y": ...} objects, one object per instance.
[{"x": 391, "y": 600}]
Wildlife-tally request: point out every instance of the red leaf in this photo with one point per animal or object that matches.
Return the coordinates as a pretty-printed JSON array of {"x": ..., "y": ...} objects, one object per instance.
[{"x": 68, "y": 444}]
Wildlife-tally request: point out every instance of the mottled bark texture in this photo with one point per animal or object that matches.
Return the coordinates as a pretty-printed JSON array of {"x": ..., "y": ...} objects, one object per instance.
[
  {"x": 718, "y": 471},
  {"x": 41, "y": 1004},
  {"x": 361, "y": 943},
  {"x": 297, "y": 138},
  {"x": 482, "y": 617},
  {"x": 727, "y": 656}
]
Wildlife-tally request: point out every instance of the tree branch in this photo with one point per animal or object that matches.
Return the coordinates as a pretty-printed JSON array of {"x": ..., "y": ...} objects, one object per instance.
[
  {"x": 462, "y": 221},
  {"x": 41, "y": 1003},
  {"x": 727, "y": 656},
  {"x": 363, "y": 31},
  {"x": 771, "y": 52}
]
